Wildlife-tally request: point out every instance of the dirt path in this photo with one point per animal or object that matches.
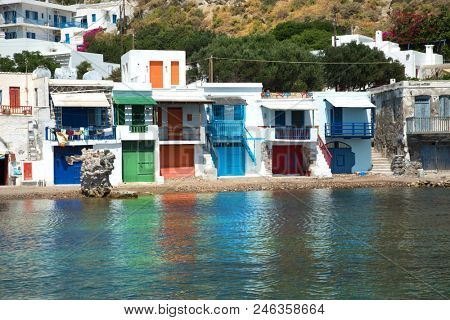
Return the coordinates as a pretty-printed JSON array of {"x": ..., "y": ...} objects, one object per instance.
[{"x": 198, "y": 185}]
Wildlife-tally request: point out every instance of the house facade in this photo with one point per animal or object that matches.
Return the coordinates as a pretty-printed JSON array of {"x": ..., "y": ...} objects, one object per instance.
[
  {"x": 417, "y": 64},
  {"x": 82, "y": 117},
  {"x": 413, "y": 119},
  {"x": 346, "y": 123},
  {"x": 24, "y": 113}
]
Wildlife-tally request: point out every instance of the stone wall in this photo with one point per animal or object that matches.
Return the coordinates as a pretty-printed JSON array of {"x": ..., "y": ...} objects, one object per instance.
[{"x": 266, "y": 156}]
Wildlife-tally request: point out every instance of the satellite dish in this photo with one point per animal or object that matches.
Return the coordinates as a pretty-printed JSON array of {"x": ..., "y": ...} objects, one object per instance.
[
  {"x": 65, "y": 73},
  {"x": 41, "y": 72},
  {"x": 92, "y": 75}
]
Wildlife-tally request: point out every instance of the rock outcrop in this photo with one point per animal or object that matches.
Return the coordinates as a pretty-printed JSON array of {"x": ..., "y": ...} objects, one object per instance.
[{"x": 96, "y": 168}]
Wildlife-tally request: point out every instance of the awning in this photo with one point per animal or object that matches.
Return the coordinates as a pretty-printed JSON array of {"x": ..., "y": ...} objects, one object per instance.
[
  {"x": 341, "y": 102},
  {"x": 280, "y": 104},
  {"x": 87, "y": 99},
  {"x": 135, "y": 100},
  {"x": 229, "y": 100},
  {"x": 183, "y": 100}
]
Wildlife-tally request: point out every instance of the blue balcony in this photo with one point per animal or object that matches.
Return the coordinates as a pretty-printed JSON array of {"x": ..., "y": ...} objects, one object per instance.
[
  {"x": 68, "y": 134},
  {"x": 72, "y": 24},
  {"x": 226, "y": 129},
  {"x": 364, "y": 130}
]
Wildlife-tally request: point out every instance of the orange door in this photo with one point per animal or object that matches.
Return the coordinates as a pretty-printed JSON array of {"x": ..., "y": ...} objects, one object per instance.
[
  {"x": 156, "y": 74},
  {"x": 27, "y": 171},
  {"x": 14, "y": 96},
  {"x": 175, "y": 73},
  {"x": 177, "y": 161},
  {"x": 175, "y": 123},
  {"x": 159, "y": 116}
]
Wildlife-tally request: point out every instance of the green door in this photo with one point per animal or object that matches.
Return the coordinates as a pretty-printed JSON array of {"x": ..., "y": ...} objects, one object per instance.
[{"x": 138, "y": 161}]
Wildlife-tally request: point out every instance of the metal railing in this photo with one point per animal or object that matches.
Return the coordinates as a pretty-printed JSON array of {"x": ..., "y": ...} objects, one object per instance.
[
  {"x": 179, "y": 133},
  {"x": 349, "y": 129},
  {"x": 226, "y": 129},
  {"x": 212, "y": 151},
  {"x": 428, "y": 125},
  {"x": 72, "y": 24},
  {"x": 325, "y": 151},
  {"x": 290, "y": 133},
  {"x": 142, "y": 128},
  {"x": 24, "y": 110},
  {"x": 80, "y": 134}
]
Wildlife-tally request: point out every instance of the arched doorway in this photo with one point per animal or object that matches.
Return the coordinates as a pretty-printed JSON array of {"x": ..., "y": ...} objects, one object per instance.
[{"x": 343, "y": 158}]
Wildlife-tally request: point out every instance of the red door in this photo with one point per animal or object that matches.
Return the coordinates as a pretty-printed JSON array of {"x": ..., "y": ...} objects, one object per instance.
[
  {"x": 287, "y": 160},
  {"x": 27, "y": 171},
  {"x": 14, "y": 99},
  {"x": 175, "y": 123},
  {"x": 177, "y": 161}
]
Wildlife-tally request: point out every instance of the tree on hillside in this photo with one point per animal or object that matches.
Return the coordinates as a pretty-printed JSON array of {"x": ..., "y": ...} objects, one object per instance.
[
  {"x": 359, "y": 76},
  {"x": 82, "y": 68},
  {"x": 116, "y": 75},
  {"x": 274, "y": 76},
  {"x": 289, "y": 29},
  {"x": 27, "y": 61}
]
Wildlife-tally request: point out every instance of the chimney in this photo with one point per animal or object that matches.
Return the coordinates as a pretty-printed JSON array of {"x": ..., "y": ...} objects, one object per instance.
[
  {"x": 378, "y": 37},
  {"x": 429, "y": 55}
]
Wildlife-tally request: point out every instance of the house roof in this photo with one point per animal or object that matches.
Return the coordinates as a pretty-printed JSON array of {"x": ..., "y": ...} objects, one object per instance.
[{"x": 353, "y": 102}]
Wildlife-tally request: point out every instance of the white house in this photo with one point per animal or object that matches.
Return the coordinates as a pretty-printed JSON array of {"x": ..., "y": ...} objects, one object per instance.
[
  {"x": 24, "y": 113},
  {"x": 415, "y": 62},
  {"x": 345, "y": 122},
  {"x": 103, "y": 15}
]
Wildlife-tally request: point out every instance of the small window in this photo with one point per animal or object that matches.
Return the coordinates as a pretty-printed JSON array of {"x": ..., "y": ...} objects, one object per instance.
[
  {"x": 94, "y": 17},
  {"x": 0, "y": 97},
  {"x": 67, "y": 38},
  {"x": 189, "y": 117},
  {"x": 114, "y": 18},
  {"x": 36, "y": 97},
  {"x": 31, "y": 35}
]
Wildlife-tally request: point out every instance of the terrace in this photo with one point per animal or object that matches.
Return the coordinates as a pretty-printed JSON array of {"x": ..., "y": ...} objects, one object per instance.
[
  {"x": 16, "y": 110},
  {"x": 431, "y": 125}
]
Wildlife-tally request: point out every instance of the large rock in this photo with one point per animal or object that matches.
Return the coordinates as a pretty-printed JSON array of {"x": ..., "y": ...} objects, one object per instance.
[{"x": 95, "y": 171}]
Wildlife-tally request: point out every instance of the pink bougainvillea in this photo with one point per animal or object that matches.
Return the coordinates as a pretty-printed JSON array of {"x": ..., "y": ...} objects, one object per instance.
[{"x": 87, "y": 36}]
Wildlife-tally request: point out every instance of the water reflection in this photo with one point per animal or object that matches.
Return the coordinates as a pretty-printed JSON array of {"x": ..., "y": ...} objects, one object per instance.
[{"x": 257, "y": 245}]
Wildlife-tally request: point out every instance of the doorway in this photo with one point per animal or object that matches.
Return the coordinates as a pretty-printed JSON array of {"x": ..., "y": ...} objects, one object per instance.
[
  {"x": 175, "y": 123},
  {"x": 3, "y": 170}
]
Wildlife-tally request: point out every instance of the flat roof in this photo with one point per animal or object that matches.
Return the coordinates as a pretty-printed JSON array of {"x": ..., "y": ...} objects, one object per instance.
[{"x": 40, "y": 4}]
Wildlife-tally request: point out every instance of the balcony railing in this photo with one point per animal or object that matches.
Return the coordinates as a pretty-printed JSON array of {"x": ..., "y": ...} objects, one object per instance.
[
  {"x": 138, "y": 128},
  {"x": 427, "y": 125},
  {"x": 290, "y": 133},
  {"x": 80, "y": 134},
  {"x": 179, "y": 133},
  {"x": 23, "y": 110},
  {"x": 226, "y": 129},
  {"x": 349, "y": 129},
  {"x": 72, "y": 24}
]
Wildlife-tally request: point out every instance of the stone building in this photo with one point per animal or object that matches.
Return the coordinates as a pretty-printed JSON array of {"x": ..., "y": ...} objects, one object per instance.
[{"x": 413, "y": 119}]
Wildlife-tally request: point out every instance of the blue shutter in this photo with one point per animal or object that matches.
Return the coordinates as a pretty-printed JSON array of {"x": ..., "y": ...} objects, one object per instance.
[
  {"x": 94, "y": 17},
  {"x": 444, "y": 106},
  {"x": 114, "y": 18},
  {"x": 422, "y": 107},
  {"x": 218, "y": 112},
  {"x": 239, "y": 112}
]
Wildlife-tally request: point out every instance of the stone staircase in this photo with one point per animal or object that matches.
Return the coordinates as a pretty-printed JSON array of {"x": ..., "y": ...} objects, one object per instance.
[{"x": 381, "y": 165}]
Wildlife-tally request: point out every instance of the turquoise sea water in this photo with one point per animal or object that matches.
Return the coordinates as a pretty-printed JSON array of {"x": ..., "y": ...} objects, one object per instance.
[{"x": 317, "y": 244}]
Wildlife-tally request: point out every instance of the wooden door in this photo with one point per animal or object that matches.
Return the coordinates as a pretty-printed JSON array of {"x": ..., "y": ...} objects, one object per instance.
[
  {"x": 175, "y": 73},
  {"x": 27, "y": 171},
  {"x": 138, "y": 161},
  {"x": 177, "y": 161},
  {"x": 298, "y": 118},
  {"x": 156, "y": 74},
  {"x": 175, "y": 123},
  {"x": 14, "y": 96}
]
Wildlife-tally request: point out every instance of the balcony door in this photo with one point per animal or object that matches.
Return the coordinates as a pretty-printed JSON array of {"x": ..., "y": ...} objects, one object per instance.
[
  {"x": 14, "y": 97},
  {"x": 175, "y": 123},
  {"x": 280, "y": 118},
  {"x": 298, "y": 119},
  {"x": 336, "y": 121},
  {"x": 422, "y": 113}
]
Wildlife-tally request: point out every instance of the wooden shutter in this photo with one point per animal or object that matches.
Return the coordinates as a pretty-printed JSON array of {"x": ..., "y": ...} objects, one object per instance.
[
  {"x": 14, "y": 96},
  {"x": 175, "y": 72},
  {"x": 156, "y": 74}
]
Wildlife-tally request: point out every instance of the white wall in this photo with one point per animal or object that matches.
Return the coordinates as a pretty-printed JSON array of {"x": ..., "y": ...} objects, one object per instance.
[{"x": 135, "y": 66}]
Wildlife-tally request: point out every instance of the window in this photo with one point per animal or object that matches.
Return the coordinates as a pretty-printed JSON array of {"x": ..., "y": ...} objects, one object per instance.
[
  {"x": 218, "y": 112},
  {"x": 94, "y": 17},
  {"x": 444, "y": 106},
  {"x": 0, "y": 97},
  {"x": 32, "y": 15},
  {"x": 67, "y": 38},
  {"x": 114, "y": 18},
  {"x": 36, "y": 97},
  {"x": 11, "y": 35},
  {"x": 31, "y": 35},
  {"x": 10, "y": 16},
  {"x": 239, "y": 112}
]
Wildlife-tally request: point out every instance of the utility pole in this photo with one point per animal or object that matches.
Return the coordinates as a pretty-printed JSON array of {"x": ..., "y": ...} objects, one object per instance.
[
  {"x": 211, "y": 69},
  {"x": 334, "y": 26},
  {"x": 132, "y": 39}
]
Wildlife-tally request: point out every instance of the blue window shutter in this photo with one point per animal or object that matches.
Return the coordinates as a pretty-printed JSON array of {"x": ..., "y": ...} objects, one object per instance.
[
  {"x": 444, "y": 106},
  {"x": 114, "y": 18},
  {"x": 94, "y": 17},
  {"x": 218, "y": 112},
  {"x": 239, "y": 112},
  {"x": 67, "y": 38}
]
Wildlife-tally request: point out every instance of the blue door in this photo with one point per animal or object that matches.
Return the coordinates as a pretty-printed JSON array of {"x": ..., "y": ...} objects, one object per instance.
[
  {"x": 280, "y": 118},
  {"x": 231, "y": 159},
  {"x": 343, "y": 159},
  {"x": 63, "y": 173}
]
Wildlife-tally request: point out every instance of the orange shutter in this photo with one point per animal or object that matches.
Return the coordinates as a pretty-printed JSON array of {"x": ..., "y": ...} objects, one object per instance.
[
  {"x": 156, "y": 74},
  {"x": 175, "y": 72}
]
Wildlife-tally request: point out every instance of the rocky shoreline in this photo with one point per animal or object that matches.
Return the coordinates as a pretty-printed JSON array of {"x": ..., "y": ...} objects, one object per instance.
[{"x": 198, "y": 185}]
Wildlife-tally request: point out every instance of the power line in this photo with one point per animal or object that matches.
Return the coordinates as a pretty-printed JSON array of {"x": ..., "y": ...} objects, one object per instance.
[{"x": 301, "y": 62}]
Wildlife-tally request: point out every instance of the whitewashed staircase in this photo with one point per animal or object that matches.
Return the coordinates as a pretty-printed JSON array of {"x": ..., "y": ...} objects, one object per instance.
[
  {"x": 320, "y": 167},
  {"x": 381, "y": 165}
]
